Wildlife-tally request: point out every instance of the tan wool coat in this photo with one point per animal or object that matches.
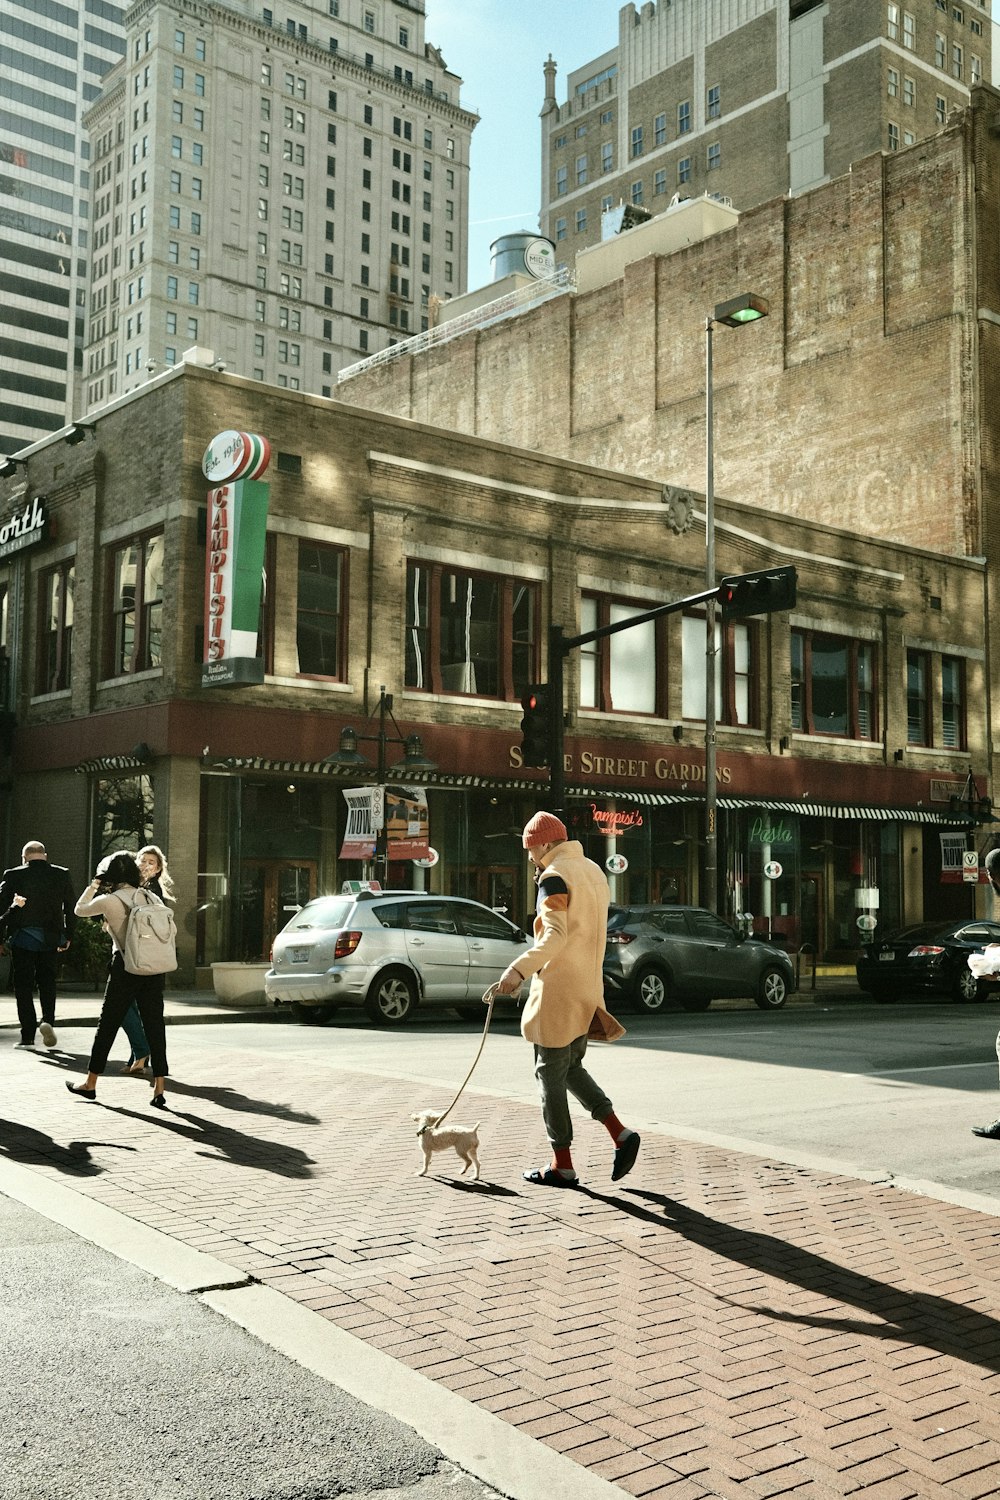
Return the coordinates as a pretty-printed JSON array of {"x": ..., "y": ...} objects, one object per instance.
[{"x": 564, "y": 963}]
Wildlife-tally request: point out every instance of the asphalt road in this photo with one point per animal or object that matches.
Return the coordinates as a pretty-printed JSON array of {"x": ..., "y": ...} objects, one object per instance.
[
  {"x": 878, "y": 1091},
  {"x": 117, "y": 1387}
]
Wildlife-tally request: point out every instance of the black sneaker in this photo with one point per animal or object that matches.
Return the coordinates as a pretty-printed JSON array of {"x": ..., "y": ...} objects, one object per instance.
[{"x": 989, "y": 1132}]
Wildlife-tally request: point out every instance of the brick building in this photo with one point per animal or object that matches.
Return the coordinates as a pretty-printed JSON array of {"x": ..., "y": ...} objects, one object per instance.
[
  {"x": 751, "y": 99},
  {"x": 406, "y": 556}
]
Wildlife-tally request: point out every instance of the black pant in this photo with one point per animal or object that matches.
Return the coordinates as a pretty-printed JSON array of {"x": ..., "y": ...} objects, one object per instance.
[
  {"x": 29, "y": 968},
  {"x": 121, "y": 990}
]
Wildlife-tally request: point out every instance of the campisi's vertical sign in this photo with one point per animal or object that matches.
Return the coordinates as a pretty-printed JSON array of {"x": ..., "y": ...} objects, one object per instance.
[{"x": 234, "y": 557}]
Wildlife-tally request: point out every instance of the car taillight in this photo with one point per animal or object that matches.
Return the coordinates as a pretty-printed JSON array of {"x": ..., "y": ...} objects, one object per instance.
[
  {"x": 346, "y": 943},
  {"x": 270, "y": 956},
  {"x": 618, "y": 939},
  {"x": 925, "y": 950}
]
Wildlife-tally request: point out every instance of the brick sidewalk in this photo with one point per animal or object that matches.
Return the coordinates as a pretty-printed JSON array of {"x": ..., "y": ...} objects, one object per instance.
[{"x": 718, "y": 1325}]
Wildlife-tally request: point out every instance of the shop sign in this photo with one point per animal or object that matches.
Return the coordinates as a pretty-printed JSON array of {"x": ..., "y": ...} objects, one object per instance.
[
  {"x": 866, "y": 922},
  {"x": 234, "y": 568},
  {"x": 970, "y": 866},
  {"x": 24, "y": 528},
  {"x": 615, "y": 821},
  {"x": 772, "y": 831},
  {"x": 405, "y": 819},
  {"x": 429, "y": 862},
  {"x": 616, "y": 864},
  {"x": 235, "y": 455},
  {"x": 773, "y": 870}
]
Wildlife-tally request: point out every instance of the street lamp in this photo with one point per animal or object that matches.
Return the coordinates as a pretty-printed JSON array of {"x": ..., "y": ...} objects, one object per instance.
[
  {"x": 746, "y": 308},
  {"x": 347, "y": 756}
]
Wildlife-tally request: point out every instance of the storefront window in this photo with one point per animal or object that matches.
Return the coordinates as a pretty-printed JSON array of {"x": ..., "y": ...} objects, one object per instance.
[
  {"x": 123, "y": 814},
  {"x": 833, "y": 686},
  {"x": 471, "y": 633},
  {"x": 620, "y": 673}
]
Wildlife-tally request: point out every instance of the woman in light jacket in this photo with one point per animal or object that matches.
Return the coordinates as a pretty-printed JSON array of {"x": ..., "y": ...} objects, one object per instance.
[
  {"x": 152, "y": 864},
  {"x": 111, "y": 895}
]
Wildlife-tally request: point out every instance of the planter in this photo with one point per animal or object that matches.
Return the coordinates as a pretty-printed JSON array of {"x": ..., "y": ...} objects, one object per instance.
[{"x": 239, "y": 984}]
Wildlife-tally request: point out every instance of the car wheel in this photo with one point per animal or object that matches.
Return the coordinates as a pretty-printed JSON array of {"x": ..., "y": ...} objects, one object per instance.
[
  {"x": 694, "y": 1002},
  {"x": 649, "y": 993},
  {"x": 966, "y": 986},
  {"x": 772, "y": 990},
  {"x": 391, "y": 998}
]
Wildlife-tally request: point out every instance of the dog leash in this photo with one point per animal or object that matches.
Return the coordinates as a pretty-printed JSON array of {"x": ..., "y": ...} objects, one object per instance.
[{"x": 489, "y": 996}]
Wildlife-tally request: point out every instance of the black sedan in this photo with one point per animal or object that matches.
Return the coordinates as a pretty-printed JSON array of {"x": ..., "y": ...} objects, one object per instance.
[
  {"x": 930, "y": 958},
  {"x": 656, "y": 954}
]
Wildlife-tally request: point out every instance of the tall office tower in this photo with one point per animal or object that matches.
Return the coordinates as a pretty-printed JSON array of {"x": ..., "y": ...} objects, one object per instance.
[
  {"x": 749, "y": 99},
  {"x": 52, "y": 59},
  {"x": 286, "y": 188}
]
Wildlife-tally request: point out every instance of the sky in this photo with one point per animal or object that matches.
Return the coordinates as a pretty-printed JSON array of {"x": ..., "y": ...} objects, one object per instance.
[{"x": 498, "y": 49}]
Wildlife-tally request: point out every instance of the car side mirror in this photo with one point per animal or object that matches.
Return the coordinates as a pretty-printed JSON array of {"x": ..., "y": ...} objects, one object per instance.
[{"x": 519, "y": 936}]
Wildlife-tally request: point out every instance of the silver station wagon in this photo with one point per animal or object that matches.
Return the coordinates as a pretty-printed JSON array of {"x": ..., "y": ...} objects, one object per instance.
[{"x": 389, "y": 951}]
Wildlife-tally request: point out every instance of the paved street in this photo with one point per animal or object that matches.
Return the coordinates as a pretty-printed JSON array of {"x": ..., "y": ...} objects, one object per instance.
[{"x": 724, "y": 1323}]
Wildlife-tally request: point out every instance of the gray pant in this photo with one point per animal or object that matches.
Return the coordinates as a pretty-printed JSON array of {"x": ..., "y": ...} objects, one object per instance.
[{"x": 560, "y": 1070}]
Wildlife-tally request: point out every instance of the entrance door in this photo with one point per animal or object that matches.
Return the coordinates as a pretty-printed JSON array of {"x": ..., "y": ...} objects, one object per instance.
[
  {"x": 271, "y": 891},
  {"x": 495, "y": 887}
]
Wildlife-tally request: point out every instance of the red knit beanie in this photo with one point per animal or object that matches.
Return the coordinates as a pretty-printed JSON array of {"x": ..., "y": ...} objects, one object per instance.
[{"x": 543, "y": 828}]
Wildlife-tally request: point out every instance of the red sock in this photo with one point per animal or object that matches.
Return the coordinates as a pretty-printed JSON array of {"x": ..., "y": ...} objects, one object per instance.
[
  {"x": 562, "y": 1158},
  {"x": 614, "y": 1127}
]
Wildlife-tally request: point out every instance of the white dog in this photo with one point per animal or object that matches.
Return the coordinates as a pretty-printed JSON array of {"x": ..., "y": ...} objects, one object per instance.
[{"x": 465, "y": 1142}]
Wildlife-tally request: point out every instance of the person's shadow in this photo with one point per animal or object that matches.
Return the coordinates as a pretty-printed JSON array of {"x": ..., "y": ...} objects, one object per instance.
[
  {"x": 959, "y": 1331},
  {"x": 226, "y": 1144},
  {"x": 228, "y": 1098},
  {"x": 33, "y": 1148}
]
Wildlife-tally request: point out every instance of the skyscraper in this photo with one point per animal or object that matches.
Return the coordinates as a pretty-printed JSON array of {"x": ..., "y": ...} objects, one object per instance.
[
  {"x": 52, "y": 59},
  {"x": 750, "y": 100},
  {"x": 288, "y": 191}
]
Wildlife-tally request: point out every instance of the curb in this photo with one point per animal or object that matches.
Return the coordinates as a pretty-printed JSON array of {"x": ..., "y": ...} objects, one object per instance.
[{"x": 485, "y": 1446}]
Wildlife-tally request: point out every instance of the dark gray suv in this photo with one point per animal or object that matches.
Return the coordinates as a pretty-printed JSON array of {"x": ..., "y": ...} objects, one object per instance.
[{"x": 656, "y": 954}]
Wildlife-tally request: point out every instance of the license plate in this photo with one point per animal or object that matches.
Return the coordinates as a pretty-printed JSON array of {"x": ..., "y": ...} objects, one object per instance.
[
  {"x": 886, "y": 958},
  {"x": 299, "y": 955}
]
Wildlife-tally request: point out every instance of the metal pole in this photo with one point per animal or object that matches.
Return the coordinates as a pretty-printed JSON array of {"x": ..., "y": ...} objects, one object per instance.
[
  {"x": 710, "y": 895},
  {"x": 381, "y": 834},
  {"x": 557, "y": 767}
]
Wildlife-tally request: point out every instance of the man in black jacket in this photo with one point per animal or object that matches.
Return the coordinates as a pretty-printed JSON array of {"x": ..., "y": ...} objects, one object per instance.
[{"x": 36, "y": 924}]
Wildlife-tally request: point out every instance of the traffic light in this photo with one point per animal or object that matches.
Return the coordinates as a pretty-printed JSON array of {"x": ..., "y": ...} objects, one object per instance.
[
  {"x": 757, "y": 593},
  {"x": 536, "y": 738}
]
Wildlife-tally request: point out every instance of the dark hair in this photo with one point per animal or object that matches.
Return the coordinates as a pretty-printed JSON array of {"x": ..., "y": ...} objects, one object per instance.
[{"x": 122, "y": 870}]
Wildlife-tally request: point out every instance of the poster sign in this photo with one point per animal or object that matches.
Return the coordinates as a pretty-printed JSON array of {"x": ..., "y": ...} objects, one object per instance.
[
  {"x": 970, "y": 866},
  {"x": 406, "y": 822},
  {"x": 616, "y": 864},
  {"x": 773, "y": 870},
  {"x": 234, "y": 568}
]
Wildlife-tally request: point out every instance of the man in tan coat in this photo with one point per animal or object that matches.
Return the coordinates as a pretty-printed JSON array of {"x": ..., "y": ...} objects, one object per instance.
[{"x": 566, "y": 999}]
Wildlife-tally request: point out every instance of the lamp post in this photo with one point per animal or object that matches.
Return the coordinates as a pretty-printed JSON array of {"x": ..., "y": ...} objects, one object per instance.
[
  {"x": 746, "y": 308},
  {"x": 347, "y": 756}
]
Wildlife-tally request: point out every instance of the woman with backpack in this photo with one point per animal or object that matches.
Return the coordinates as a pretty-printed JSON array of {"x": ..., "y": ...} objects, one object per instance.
[
  {"x": 152, "y": 864},
  {"x": 111, "y": 895}
]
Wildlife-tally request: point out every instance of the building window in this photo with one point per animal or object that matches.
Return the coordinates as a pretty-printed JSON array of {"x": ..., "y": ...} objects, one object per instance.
[
  {"x": 918, "y": 718},
  {"x": 622, "y": 673},
  {"x": 560, "y": 229},
  {"x": 975, "y": 69},
  {"x": 833, "y": 686},
  {"x": 684, "y": 117},
  {"x": 660, "y": 130},
  {"x": 636, "y": 191},
  {"x": 321, "y": 616},
  {"x": 940, "y": 109},
  {"x": 953, "y": 703},
  {"x": 684, "y": 169},
  {"x": 893, "y": 85},
  {"x": 136, "y": 605},
  {"x": 940, "y": 52},
  {"x": 892, "y": 22},
  {"x": 581, "y": 220},
  {"x": 893, "y": 137},
  {"x": 956, "y": 61},
  {"x": 659, "y": 182},
  {"x": 470, "y": 632},
  {"x": 714, "y": 156},
  {"x": 607, "y": 156},
  {"x": 636, "y": 148},
  {"x": 562, "y": 181},
  {"x": 713, "y": 102},
  {"x": 736, "y": 694},
  {"x": 909, "y": 92},
  {"x": 55, "y": 628},
  {"x": 909, "y": 31},
  {"x": 581, "y": 171},
  {"x": 172, "y": 288}
]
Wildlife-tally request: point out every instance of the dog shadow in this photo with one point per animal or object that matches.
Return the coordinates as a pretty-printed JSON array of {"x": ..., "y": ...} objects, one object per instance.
[{"x": 486, "y": 1189}]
